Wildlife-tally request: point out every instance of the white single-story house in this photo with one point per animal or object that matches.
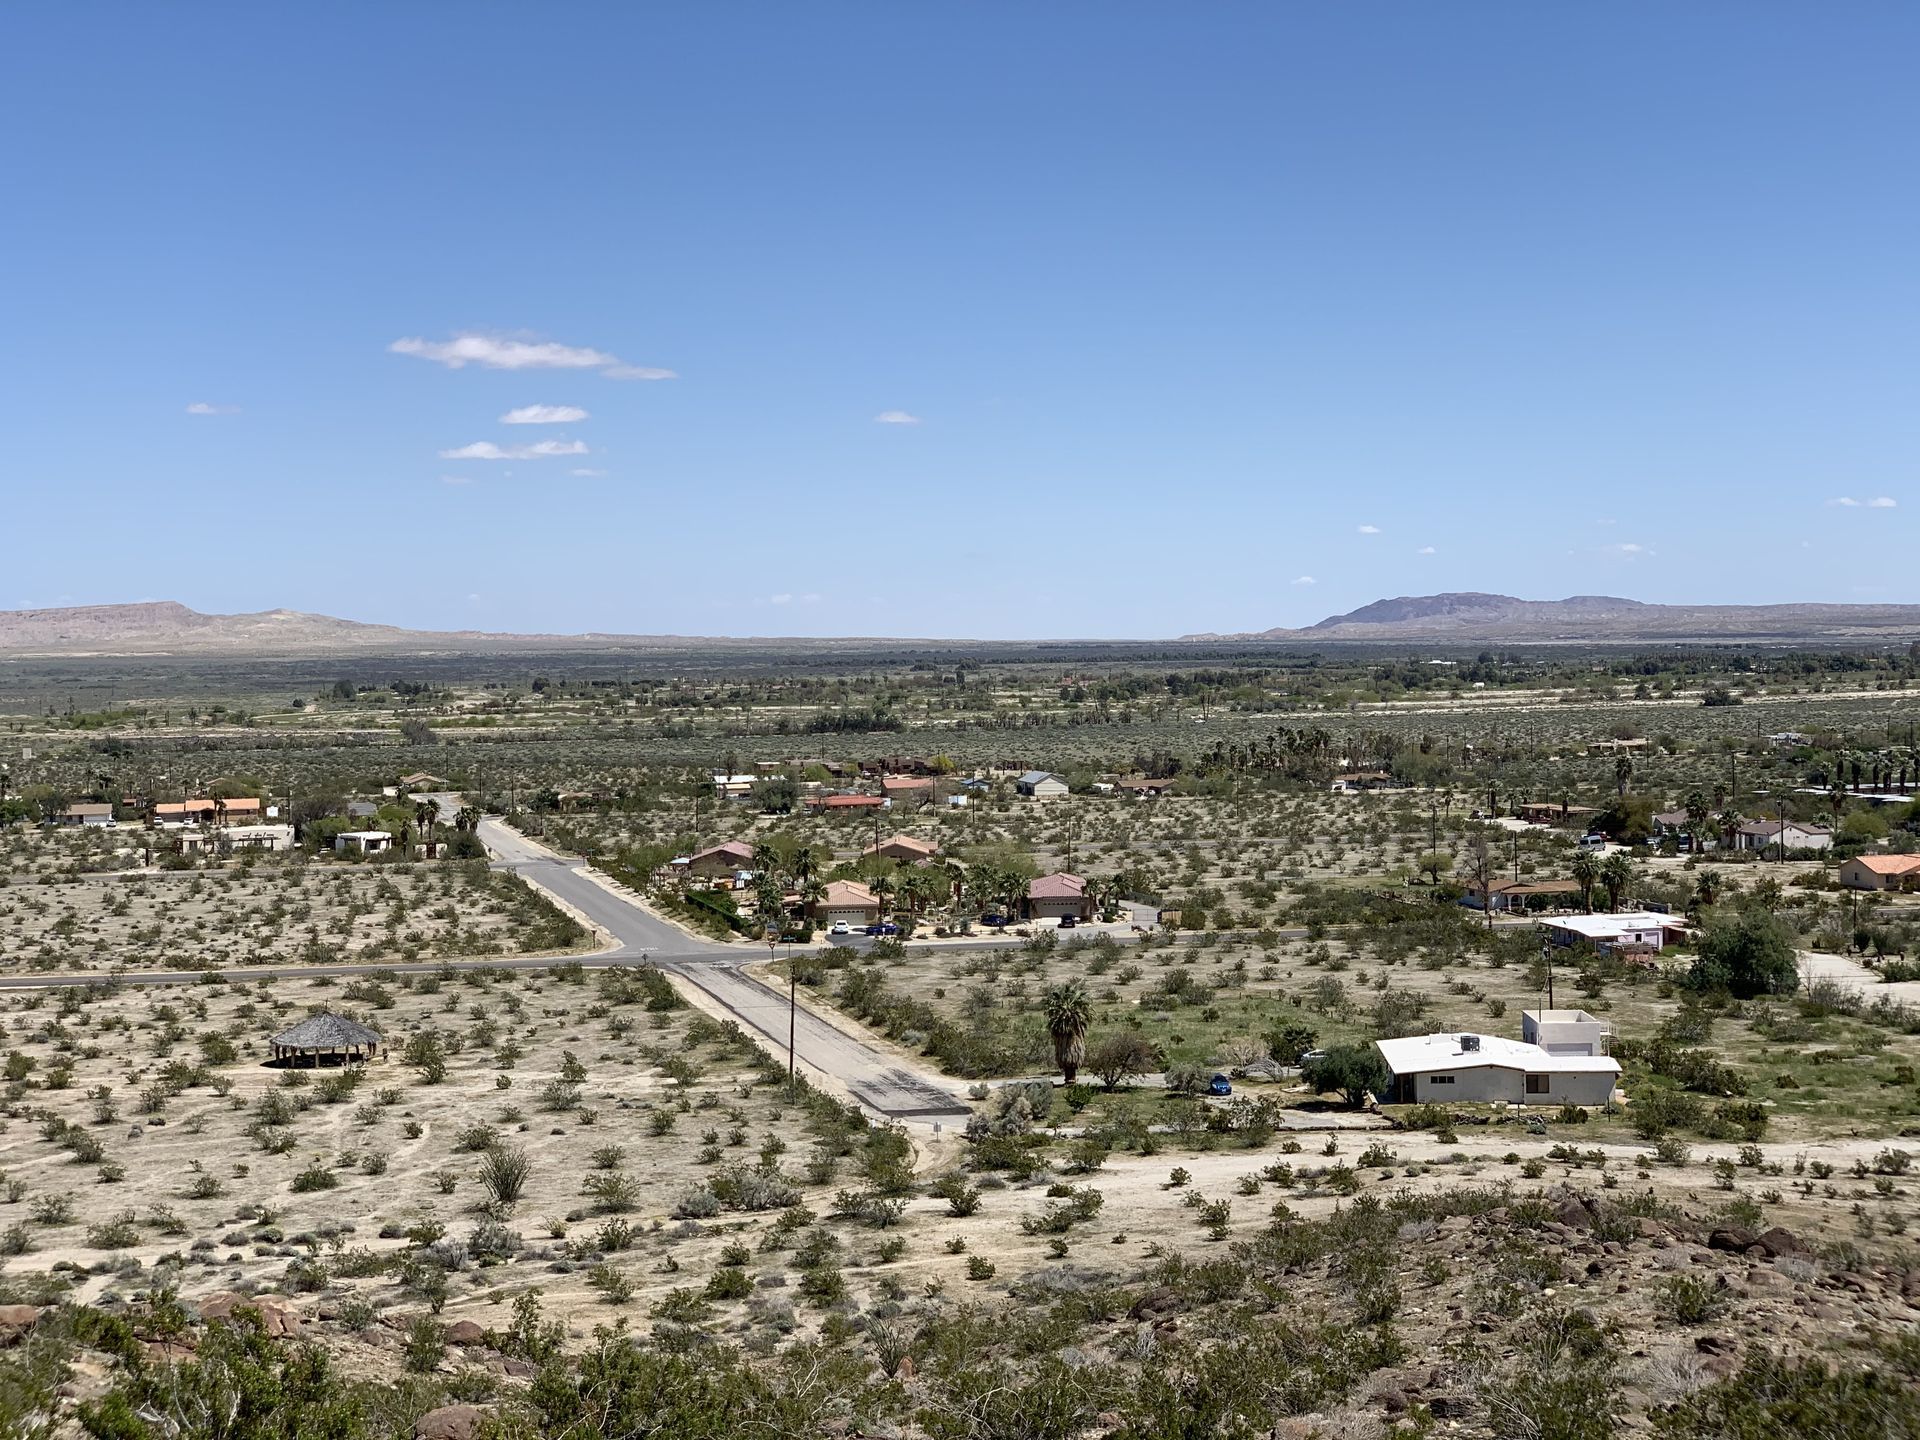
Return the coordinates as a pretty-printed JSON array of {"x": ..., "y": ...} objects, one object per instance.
[
  {"x": 1880, "y": 872},
  {"x": 1766, "y": 835},
  {"x": 1565, "y": 1032},
  {"x": 87, "y": 812},
  {"x": 1640, "y": 929},
  {"x": 734, "y": 787},
  {"x": 1481, "y": 1069},
  {"x": 365, "y": 842},
  {"x": 1041, "y": 785}
]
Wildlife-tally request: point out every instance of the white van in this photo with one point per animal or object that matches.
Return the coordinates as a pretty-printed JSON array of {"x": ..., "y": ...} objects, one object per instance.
[{"x": 1593, "y": 842}]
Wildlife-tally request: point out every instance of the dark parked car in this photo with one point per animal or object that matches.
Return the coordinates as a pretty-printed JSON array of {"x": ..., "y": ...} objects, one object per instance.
[
  {"x": 995, "y": 920},
  {"x": 1220, "y": 1085},
  {"x": 885, "y": 927},
  {"x": 1067, "y": 922}
]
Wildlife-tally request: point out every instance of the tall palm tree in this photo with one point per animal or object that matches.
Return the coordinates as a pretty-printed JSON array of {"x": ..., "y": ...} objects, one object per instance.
[
  {"x": 882, "y": 886},
  {"x": 1616, "y": 873},
  {"x": 468, "y": 818},
  {"x": 1623, "y": 773},
  {"x": 426, "y": 814},
  {"x": 1706, "y": 889},
  {"x": 1068, "y": 1013},
  {"x": 1586, "y": 870}
]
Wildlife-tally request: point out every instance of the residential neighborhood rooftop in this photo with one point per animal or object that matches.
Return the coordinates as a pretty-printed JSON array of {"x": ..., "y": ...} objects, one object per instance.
[{"x": 1421, "y": 1054}]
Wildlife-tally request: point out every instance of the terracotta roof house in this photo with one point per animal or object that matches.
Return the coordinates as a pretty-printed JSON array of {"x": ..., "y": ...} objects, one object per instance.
[
  {"x": 905, "y": 784},
  {"x": 722, "y": 859},
  {"x": 204, "y": 812},
  {"x": 421, "y": 780},
  {"x": 846, "y": 901},
  {"x": 1051, "y": 897},
  {"x": 845, "y": 802},
  {"x": 1146, "y": 786},
  {"x": 1880, "y": 872},
  {"x": 904, "y": 848},
  {"x": 1523, "y": 895}
]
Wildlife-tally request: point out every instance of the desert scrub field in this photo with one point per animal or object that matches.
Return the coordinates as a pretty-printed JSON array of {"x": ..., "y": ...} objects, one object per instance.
[
  {"x": 552, "y": 1164},
  {"x": 277, "y": 910},
  {"x": 1829, "y": 1059}
]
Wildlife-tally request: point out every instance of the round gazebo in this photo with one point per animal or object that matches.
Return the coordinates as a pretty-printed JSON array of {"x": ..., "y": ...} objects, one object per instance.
[{"x": 328, "y": 1039}]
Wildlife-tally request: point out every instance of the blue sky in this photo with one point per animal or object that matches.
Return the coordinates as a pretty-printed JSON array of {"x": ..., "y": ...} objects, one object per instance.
[{"x": 1008, "y": 320}]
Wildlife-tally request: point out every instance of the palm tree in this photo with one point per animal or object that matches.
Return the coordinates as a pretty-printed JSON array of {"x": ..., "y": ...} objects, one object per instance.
[
  {"x": 468, "y": 818},
  {"x": 1706, "y": 889},
  {"x": 1623, "y": 773},
  {"x": 1068, "y": 1013},
  {"x": 882, "y": 886},
  {"x": 1616, "y": 873},
  {"x": 1586, "y": 870},
  {"x": 426, "y": 814}
]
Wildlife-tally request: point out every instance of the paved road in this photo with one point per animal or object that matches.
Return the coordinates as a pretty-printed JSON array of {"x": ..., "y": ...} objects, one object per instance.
[{"x": 876, "y": 1079}]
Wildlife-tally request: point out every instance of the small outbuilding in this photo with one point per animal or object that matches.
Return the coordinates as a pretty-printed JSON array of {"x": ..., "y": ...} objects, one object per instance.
[
  {"x": 1880, "y": 872},
  {"x": 364, "y": 842},
  {"x": 326, "y": 1039}
]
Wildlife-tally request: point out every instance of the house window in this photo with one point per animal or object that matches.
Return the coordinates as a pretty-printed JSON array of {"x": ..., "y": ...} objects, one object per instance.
[
  {"x": 1440, "y": 1079},
  {"x": 1539, "y": 1084}
]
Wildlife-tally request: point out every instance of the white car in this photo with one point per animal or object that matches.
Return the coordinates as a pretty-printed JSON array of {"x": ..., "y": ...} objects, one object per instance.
[{"x": 839, "y": 927}]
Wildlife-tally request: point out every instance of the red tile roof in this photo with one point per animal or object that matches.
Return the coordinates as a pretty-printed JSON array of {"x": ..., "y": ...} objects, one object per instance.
[{"x": 1057, "y": 887}]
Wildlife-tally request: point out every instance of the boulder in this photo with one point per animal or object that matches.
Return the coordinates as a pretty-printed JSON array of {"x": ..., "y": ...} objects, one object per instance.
[
  {"x": 465, "y": 1332},
  {"x": 1732, "y": 1237},
  {"x": 278, "y": 1318},
  {"x": 1780, "y": 1241},
  {"x": 450, "y": 1422},
  {"x": 16, "y": 1321}
]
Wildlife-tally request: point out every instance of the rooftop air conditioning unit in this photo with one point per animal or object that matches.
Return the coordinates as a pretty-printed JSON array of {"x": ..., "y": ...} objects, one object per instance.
[{"x": 1469, "y": 1043}]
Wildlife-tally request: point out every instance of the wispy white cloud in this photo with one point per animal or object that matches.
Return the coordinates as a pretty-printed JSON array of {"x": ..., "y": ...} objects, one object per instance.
[
  {"x": 510, "y": 352},
  {"x": 781, "y": 599},
  {"x": 1878, "y": 502},
  {"x": 585, "y": 474},
  {"x": 487, "y": 450},
  {"x": 1305, "y": 580},
  {"x": 1631, "y": 549},
  {"x": 896, "y": 417},
  {"x": 1426, "y": 550},
  {"x": 543, "y": 415},
  {"x": 201, "y": 407},
  {"x": 1369, "y": 529},
  {"x": 456, "y": 479},
  {"x": 788, "y": 598}
]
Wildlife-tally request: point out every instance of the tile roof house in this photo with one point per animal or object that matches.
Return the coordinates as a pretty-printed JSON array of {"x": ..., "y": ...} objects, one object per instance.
[
  {"x": 1520, "y": 895},
  {"x": 1880, "y": 872},
  {"x": 205, "y": 812},
  {"x": 87, "y": 813},
  {"x": 1051, "y": 897},
  {"x": 846, "y": 901},
  {"x": 904, "y": 848},
  {"x": 721, "y": 860},
  {"x": 845, "y": 802}
]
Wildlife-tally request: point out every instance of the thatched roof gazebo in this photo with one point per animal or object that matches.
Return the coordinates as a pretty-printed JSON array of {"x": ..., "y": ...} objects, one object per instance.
[{"x": 334, "y": 1037}]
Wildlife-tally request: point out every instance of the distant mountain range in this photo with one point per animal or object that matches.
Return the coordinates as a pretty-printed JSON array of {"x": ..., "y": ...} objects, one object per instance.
[
  {"x": 164, "y": 627},
  {"x": 1470, "y": 617}
]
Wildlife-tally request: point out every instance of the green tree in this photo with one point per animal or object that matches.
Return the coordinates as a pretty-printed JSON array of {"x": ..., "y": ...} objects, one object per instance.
[
  {"x": 1351, "y": 1071},
  {"x": 1746, "y": 956},
  {"x": 1068, "y": 1013}
]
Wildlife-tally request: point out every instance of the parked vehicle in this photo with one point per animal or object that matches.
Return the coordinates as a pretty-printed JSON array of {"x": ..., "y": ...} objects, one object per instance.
[
  {"x": 885, "y": 927},
  {"x": 1220, "y": 1085},
  {"x": 1593, "y": 842},
  {"x": 1067, "y": 922},
  {"x": 839, "y": 927},
  {"x": 994, "y": 920}
]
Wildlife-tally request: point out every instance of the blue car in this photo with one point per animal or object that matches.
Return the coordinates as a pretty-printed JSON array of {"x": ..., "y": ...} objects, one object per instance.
[
  {"x": 1220, "y": 1085},
  {"x": 885, "y": 927},
  {"x": 995, "y": 920}
]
